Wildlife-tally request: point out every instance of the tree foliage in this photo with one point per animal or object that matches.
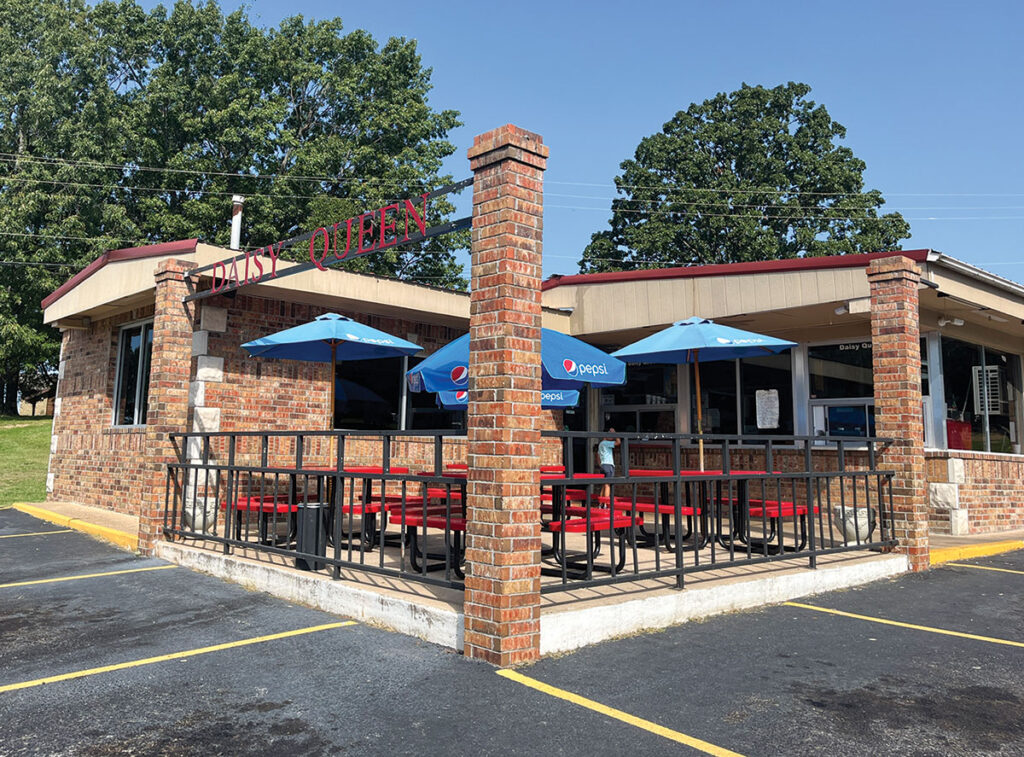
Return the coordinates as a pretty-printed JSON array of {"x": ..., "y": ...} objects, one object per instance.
[
  {"x": 121, "y": 126},
  {"x": 751, "y": 175}
]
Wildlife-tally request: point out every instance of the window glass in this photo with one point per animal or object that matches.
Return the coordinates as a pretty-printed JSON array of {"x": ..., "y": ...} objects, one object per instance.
[
  {"x": 766, "y": 394},
  {"x": 981, "y": 387},
  {"x": 368, "y": 393},
  {"x": 840, "y": 370},
  {"x": 131, "y": 389},
  {"x": 424, "y": 412},
  {"x": 924, "y": 367},
  {"x": 645, "y": 385},
  {"x": 718, "y": 390}
]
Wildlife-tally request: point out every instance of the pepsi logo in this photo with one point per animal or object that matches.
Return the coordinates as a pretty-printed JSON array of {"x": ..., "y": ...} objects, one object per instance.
[
  {"x": 584, "y": 369},
  {"x": 460, "y": 374},
  {"x": 462, "y": 396}
]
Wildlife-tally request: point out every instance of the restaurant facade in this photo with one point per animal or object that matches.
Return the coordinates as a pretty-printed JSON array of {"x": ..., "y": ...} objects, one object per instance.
[
  {"x": 913, "y": 345},
  {"x": 971, "y": 343}
]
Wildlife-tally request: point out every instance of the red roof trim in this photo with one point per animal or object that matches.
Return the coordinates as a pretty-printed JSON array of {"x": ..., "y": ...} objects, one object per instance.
[
  {"x": 733, "y": 269},
  {"x": 112, "y": 256}
]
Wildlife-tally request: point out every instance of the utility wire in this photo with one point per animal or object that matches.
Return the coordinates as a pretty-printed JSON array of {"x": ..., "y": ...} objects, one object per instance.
[{"x": 130, "y": 167}]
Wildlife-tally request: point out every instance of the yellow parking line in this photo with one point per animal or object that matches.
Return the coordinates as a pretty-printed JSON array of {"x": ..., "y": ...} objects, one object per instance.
[
  {"x": 625, "y": 717},
  {"x": 38, "y": 533},
  {"x": 943, "y": 631},
  {"x": 172, "y": 656},
  {"x": 985, "y": 567},
  {"x": 87, "y": 575}
]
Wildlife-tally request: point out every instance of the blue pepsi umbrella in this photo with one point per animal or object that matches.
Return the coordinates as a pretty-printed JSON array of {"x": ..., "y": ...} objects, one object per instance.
[
  {"x": 566, "y": 363},
  {"x": 695, "y": 339},
  {"x": 329, "y": 338},
  {"x": 548, "y": 398}
]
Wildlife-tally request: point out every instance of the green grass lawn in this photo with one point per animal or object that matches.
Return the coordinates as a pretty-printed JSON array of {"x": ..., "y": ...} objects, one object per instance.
[{"x": 24, "y": 452}]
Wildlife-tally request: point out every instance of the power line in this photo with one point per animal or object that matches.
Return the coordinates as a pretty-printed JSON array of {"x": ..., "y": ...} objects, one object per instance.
[
  {"x": 775, "y": 190},
  {"x": 713, "y": 203},
  {"x": 130, "y": 167},
  {"x": 789, "y": 216}
]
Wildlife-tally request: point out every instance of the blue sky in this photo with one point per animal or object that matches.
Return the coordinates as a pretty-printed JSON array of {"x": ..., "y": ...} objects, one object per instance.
[{"x": 930, "y": 94}]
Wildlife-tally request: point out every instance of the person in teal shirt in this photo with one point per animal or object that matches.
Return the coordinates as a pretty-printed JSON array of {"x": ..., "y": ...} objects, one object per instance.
[{"x": 606, "y": 459}]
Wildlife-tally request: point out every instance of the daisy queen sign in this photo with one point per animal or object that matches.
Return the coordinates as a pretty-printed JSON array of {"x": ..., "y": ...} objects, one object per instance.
[{"x": 397, "y": 223}]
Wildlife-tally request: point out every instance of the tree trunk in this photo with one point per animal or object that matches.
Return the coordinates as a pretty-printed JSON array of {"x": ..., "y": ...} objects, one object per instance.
[{"x": 11, "y": 394}]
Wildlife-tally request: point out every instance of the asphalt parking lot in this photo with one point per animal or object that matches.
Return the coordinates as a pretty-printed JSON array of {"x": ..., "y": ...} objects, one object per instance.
[{"x": 103, "y": 652}]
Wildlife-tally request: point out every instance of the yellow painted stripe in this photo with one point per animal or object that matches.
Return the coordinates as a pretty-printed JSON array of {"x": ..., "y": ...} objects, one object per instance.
[
  {"x": 38, "y": 533},
  {"x": 87, "y": 575},
  {"x": 929, "y": 629},
  {"x": 625, "y": 717},
  {"x": 945, "y": 554},
  {"x": 172, "y": 656},
  {"x": 116, "y": 536},
  {"x": 985, "y": 567}
]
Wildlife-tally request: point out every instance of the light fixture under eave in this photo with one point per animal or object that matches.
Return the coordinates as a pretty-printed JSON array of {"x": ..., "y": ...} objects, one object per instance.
[
  {"x": 997, "y": 318},
  {"x": 842, "y": 310},
  {"x": 943, "y": 322}
]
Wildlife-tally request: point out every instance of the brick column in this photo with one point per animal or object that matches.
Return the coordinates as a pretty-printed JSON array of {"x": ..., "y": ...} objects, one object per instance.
[
  {"x": 503, "y": 540},
  {"x": 896, "y": 357},
  {"x": 169, "y": 375}
]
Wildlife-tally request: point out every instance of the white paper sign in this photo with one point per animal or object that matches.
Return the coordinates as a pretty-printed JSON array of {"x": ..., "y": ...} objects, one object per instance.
[{"x": 767, "y": 401}]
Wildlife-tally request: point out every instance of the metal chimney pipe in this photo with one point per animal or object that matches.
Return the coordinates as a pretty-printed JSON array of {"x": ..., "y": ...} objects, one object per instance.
[{"x": 236, "y": 221}]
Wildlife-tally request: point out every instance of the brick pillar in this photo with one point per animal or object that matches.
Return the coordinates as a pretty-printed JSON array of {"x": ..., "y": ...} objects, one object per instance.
[
  {"x": 169, "y": 375},
  {"x": 503, "y": 540},
  {"x": 896, "y": 357}
]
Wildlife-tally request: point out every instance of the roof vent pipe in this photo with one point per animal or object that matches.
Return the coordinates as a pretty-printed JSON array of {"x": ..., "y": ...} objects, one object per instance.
[{"x": 236, "y": 221}]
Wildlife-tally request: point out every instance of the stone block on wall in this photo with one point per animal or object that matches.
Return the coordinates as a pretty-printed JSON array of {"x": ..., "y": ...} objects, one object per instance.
[
  {"x": 958, "y": 523},
  {"x": 213, "y": 319},
  {"x": 200, "y": 342},
  {"x": 196, "y": 393},
  {"x": 210, "y": 368},
  {"x": 206, "y": 419},
  {"x": 944, "y": 496},
  {"x": 955, "y": 471}
]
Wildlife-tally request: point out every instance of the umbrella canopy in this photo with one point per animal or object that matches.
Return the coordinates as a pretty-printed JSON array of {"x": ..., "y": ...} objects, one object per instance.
[
  {"x": 548, "y": 398},
  {"x": 327, "y": 339},
  {"x": 697, "y": 339},
  {"x": 566, "y": 363},
  {"x": 313, "y": 342}
]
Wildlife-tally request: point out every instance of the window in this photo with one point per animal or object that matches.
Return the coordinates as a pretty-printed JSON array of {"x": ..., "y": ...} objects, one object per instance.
[
  {"x": 981, "y": 390},
  {"x": 766, "y": 395},
  {"x": 646, "y": 403},
  {"x": 842, "y": 389},
  {"x": 368, "y": 393},
  {"x": 131, "y": 395},
  {"x": 424, "y": 412}
]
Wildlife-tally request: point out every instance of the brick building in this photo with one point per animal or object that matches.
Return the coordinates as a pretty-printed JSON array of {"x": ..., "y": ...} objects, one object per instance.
[{"x": 968, "y": 323}]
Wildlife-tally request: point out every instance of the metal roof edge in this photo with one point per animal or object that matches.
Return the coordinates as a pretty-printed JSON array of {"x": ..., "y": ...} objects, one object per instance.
[{"x": 111, "y": 256}]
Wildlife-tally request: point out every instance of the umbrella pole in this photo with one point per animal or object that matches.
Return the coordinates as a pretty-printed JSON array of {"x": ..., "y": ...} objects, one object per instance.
[
  {"x": 700, "y": 418},
  {"x": 334, "y": 382}
]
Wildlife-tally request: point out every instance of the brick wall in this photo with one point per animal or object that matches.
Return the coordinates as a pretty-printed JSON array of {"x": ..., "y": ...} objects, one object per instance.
[
  {"x": 91, "y": 461},
  {"x": 896, "y": 361},
  {"x": 974, "y": 492}
]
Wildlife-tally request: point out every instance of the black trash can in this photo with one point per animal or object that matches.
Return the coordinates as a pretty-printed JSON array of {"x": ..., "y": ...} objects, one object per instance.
[{"x": 311, "y": 534}]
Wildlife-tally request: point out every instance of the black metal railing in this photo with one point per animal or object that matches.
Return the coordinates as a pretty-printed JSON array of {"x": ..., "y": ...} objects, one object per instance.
[
  {"x": 324, "y": 500},
  {"x": 393, "y": 503},
  {"x": 755, "y": 499}
]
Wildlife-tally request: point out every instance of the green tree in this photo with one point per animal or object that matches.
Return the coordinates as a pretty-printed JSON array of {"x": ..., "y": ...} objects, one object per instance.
[
  {"x": 121, "y": 126},
  {"x": 751, "y": 175}
]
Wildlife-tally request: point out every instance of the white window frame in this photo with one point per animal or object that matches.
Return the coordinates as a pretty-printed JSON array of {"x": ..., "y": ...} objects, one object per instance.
[{"x": 141, "y": 380}]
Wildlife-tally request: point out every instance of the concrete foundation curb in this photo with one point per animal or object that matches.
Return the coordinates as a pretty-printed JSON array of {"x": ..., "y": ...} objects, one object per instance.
[
  {"x": 567, "y": 630},
  {"x": 121, "y": 539},
  {"x": 430, "y": 623},
  {"x": 946, "y": 554}
]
